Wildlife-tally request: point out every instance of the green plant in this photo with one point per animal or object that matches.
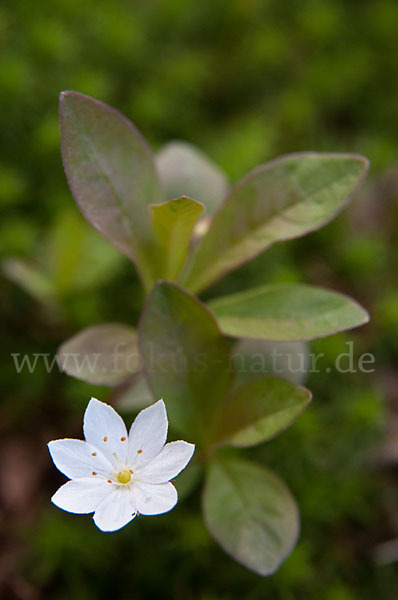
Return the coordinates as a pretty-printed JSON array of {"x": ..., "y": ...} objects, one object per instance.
[{"x": 181, "y": 350}]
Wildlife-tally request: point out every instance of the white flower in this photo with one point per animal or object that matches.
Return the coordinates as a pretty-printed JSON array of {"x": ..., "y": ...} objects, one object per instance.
[{"x": 115, "y": 474}]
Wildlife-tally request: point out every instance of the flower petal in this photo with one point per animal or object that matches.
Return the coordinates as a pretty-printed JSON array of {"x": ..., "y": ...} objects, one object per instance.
[
  {"x": 104, "y": 428},
  {"x": 167, "y": 464},
  {"x": 148, "y": 434},
  {"x": 76, "y": 458},
  {"x": 116, "y": 510},
  {"x": 81, "y": 496},
  {"x": 152, "y": 499}
]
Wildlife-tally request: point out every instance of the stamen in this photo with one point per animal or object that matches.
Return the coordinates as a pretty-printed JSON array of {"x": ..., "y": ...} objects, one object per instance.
[
  {"x": 109, "y": 481},
  {"x": 93, "y": 473},
  {"x": 106, "y": 438},
  {"x": 122, "y": 439},
  {"x": 139, "y": 451},
  {"x": 94, "y": 454}
]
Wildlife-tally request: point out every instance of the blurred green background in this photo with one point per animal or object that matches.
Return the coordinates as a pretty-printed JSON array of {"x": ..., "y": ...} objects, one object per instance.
[{"x": 244, "y": 80}]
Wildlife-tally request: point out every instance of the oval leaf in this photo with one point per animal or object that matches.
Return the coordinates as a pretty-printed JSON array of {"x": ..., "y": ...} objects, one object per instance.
[
  {"x": 29, "y": 277},
  {"x": 103, "y": 355},
  {"x": 185, "y": 171},
  {"x": 188, "y": 480},
  {"x": 134, "y": 395},
  {"x": 253, "y": 358},
  {"x": 76, "y": 257},
  {"x": 280, "y": 200},
  {"x": 112, "y": 176},
  {"x": 251, "y": 514},
  {"x": 185, "y": 358},
  {"x": 286, "y": 311},
  {"x": 174, "y": 222},
  {"x": 259, "y": 410}
]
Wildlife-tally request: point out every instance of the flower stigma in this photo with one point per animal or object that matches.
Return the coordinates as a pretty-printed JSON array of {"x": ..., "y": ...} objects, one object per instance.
[{"x": 123, "y": 476}]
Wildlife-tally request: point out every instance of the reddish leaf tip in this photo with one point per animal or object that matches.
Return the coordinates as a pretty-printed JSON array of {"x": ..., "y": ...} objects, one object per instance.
[{"x": 66, "y": 93}]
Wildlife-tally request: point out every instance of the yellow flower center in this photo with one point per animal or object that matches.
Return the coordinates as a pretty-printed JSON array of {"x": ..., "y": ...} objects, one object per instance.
[{"x": 123, "y": 477}]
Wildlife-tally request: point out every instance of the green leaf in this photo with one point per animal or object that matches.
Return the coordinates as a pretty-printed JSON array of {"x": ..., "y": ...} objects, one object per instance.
[
  {"x": 287, "y": 311},
  {"x": 253, "y": 358},
  {"x": 134, "y": 396},
  {"x": 185, "y": 358},
  {"x": 75, "y": 256},
  {"x": 103, "y": 355},
  {"x": 186, "y": 171},
  {"x": 30, "y": 278},
  {"x": 280, "y": 200},
  {"x": 188, "y": 480},
  {"x": 259, "y": 410},
  {"x": 112, "y": 176},
  {"x": 174, "y": 222},
  {"x": 251, "y": 514}
]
